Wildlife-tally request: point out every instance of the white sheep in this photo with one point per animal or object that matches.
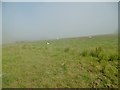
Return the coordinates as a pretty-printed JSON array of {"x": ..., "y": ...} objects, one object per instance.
[
  {"x": 90, "y": 37},
  {"x": 48, "y": 43}
]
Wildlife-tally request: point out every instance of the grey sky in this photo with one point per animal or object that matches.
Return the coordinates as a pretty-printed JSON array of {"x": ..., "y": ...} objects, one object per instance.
[
  {"x": 44, "y": 20},
  {"x": 0, "y": 23}
]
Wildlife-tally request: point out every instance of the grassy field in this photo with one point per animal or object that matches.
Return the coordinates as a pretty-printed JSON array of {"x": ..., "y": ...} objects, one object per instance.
[
  {"x": 65, "y": 63},
  {"x": 0, "y": 66}
]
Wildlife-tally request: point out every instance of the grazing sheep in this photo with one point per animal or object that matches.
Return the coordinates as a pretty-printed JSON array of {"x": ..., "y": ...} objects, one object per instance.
[
  {"x": 90, "y": 37},
  {"x": 48, "y": 43}
]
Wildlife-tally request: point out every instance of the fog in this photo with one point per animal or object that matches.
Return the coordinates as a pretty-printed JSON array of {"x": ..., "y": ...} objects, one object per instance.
[
  {"x": 0, "y": 23},
  {"x": 25, "y": 21}
]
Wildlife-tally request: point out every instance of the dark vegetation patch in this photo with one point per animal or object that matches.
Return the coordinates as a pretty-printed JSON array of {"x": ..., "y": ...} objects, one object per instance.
[
  {"x": 66, "y": 49},
  {"x": 100, "y": 54}
]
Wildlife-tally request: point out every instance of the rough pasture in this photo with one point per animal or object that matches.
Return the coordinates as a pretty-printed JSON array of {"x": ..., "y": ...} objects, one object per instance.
[{"x": 64, "y": 63}]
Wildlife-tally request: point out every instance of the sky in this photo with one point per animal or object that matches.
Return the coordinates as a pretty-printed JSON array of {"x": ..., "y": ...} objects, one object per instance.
[
  {"x": 29, "y": 21},
  {"x": 0, "y": 23},
  {"x": 60, "y": 0}
]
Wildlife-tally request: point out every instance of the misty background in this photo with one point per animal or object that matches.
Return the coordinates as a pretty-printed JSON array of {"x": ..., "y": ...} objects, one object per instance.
[
  {"x": 0, "y": 24},
  {"x": 29, "y": 21}
]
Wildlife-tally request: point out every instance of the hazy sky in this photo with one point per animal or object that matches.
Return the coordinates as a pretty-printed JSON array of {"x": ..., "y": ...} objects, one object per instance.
[
  {"x": 0, "y": 23},
  {"x": 46, "y": 20}
]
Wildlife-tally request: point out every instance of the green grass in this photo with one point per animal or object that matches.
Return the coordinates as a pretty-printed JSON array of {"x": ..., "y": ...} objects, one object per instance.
[
  {"x": 0, "y": 66},
  {"x": 64, "y": 63}
]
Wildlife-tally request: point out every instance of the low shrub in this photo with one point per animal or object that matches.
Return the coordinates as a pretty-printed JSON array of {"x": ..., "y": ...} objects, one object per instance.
[
  {"x": 113, "y": 57},
  {"x": 96, "y": 52},
  {"x": 66, "y": 49}
]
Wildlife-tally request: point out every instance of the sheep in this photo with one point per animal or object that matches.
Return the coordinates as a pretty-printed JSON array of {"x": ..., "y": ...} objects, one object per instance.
[
  {"x": 47, "y": 43},
  {"x": 90, "y": 37}
]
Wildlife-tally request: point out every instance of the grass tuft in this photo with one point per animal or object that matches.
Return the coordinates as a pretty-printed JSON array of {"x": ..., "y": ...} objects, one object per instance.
[{"x": 66, "y": 49}]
